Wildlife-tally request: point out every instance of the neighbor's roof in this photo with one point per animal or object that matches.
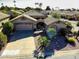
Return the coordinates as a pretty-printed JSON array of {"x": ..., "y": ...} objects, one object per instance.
[
  {"x": 49, "y": 20},
  {"x": 60, "y": 24},
  {"x": 3, "y": 16},
  {"x": 24, "y": 16},
  {"x": 34, "y": 13}
]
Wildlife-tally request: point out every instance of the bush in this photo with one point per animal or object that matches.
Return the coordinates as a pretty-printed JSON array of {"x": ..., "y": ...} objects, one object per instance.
[
  {"x": 78, "y": 33},
  {"x": 3, "y": 40},
  {"x": 71, "y": 40},
  {"x": 56, "y": 15},
  {"x": 7, "y": 28},
  {"x": 44, "y": 41},
  {"x": 51, "y": 32},
  {"x": 78, "y": 24},
  {"x": 63, "y": 31}
]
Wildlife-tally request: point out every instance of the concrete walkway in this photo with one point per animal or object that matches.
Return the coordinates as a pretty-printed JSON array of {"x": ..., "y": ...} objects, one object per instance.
[{"x": 70, "y": 54}]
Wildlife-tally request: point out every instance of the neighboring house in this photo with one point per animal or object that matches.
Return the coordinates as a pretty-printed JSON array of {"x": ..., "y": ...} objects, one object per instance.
[
  {"x": 3, "y": 18},
  {"x": 35, "y": 14}
]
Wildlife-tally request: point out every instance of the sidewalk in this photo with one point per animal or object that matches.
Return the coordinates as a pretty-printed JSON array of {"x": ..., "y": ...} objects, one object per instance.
[{"x": 71, "y": 54}]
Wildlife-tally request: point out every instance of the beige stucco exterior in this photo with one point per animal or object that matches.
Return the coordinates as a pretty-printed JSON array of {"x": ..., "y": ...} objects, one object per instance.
[{"x": 24, "y": 23}]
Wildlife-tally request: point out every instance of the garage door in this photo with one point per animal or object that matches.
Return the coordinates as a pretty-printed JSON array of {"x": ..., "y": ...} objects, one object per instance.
[{"x": 23, "y": 26}]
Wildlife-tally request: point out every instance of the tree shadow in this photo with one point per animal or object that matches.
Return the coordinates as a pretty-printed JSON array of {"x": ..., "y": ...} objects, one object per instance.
[
  {"x": 73, "y": 44},
  {"x": 57, "y": 43},
  {"x": 17, "y": 35}
]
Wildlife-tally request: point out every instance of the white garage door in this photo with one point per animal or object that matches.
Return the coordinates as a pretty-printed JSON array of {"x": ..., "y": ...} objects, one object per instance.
[{"x": 23, "y": 26}]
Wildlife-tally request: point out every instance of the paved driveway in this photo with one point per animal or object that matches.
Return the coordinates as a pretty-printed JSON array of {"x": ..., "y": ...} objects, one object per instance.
[{"x": 24, "y": 44}]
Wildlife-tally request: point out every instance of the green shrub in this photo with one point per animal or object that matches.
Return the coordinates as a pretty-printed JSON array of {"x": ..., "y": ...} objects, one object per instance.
[
  {"x": 7, "y": 28},
  {"x": 3, "y": 38},
  {"x": 78, "y": 24},
  {"x": 56, "y": 15},
  {"x": 44, "y": 41},
  {"x": 71, "y": 40},
  {"x": 51, "y": 32}
]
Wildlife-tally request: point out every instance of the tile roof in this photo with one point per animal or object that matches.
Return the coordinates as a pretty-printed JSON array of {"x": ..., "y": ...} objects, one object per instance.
[
  {"x": 2, "y": 15},
  {"x": 34, "y": 13},
  {"x": 50, "y": 20},
  {"x": 24, "y": 16}
]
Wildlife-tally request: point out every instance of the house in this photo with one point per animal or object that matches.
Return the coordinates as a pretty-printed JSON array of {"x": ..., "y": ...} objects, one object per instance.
[
  {"x": 35, "y": 14},
  {"x": 24, "y": 22},
  {"x": 29, "y": 21},
  {"x": 3, "y": 18}
]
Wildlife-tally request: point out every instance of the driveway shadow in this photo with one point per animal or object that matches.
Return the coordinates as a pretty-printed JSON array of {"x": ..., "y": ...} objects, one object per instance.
[{"x": 19, "y": 35}]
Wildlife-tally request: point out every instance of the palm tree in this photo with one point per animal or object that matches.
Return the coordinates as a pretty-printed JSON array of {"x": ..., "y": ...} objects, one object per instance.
[
  {"x": 14, "y": 3},
  {"x": 39, "y": 4},
  {"x": 2, "y": 4},
  {"x": 36, "y": 3}
]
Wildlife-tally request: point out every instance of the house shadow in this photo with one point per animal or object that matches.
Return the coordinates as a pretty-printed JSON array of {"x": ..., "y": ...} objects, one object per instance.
[
  {"x": 56, "y": 44},
  {"x": 17, "y": 35}
]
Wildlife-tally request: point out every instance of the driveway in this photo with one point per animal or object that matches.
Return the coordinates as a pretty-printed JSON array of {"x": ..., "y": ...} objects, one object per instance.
[
  {"x": 25, "y": 46},
  {"x": 22, "y": 43}
]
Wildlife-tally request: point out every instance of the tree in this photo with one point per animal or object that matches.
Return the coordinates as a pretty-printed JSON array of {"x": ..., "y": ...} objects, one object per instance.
[
  {"x": 48, "y": 8},
  {"x": 52, "y": 9},
  {"x": 39, "y": 4},
  {"x": 7, "y": 28},
  {"x": 56, "y": 15},
  {"x": 2, "y": 4},
  {"x": 2, "y": 7},
  {"x": 62, "y": 10},
  {"x": 68, "y": 26},
  {"x": 73, "y": 9},
  {"x": 78, "y": 24},
  {"x": 43, "y": 42},
  {"x": 28, "y": 8},
  {"x": 14, "y": 3},
  {"x": 68, "y": 10},
  {"x": 38, "y": 9},
  {"x": 78, "y": 33}
]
